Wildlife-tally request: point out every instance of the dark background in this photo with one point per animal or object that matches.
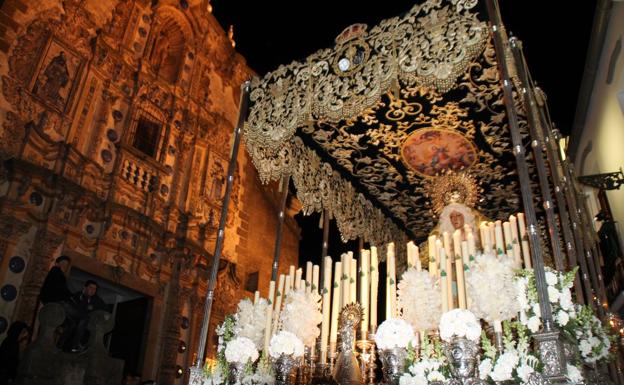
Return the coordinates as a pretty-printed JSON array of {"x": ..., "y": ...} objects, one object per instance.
[{"x": 268, "y": 34}]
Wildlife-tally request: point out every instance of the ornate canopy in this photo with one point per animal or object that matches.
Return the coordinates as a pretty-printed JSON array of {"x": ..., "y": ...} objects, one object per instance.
[{"x": 364, "y": 127}]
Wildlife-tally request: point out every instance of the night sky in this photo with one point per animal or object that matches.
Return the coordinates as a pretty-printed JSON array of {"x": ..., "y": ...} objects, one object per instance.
[{"x": 269, "y": 33}]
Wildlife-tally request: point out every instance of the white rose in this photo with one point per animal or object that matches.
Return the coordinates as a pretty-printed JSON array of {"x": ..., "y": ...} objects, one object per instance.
[
  {"x": 524, "y": 371},
  {"x": 501, "y": 372},
  {"x": 562, "y": 318},
  {"x": 436, "y": 376},
  {"x": 485, "y": 367},
  {"x": 574, "y": 375},
  {"x": 565, "y": 300},
  {"x": 551, "y": 278},
  {"x": 534, "y": 324},
  {"x": 553, "y": 294}
]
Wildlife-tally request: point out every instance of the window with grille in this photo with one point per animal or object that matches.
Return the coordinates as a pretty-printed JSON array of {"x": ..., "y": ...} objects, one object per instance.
[{"x": 146, "y": 136}]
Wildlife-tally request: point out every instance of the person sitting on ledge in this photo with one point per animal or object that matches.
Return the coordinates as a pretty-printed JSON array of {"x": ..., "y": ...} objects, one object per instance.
[
  {"x": 82, "y": 303},
  {"x": 54, "y": 288}
]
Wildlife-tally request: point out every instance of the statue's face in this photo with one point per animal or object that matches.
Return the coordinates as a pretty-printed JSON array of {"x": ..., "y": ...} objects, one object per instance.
[{"x": 457, "y": 220}]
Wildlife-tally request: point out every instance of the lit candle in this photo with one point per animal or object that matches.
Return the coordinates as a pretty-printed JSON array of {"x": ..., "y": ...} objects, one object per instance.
[
  {"x": 333, "y": 336},
  {"x": 364, "y": 288},
  {"x": 308, "y": 277},
  {"x": 443, "y": 279},
  {"x": 374, "y": 268},
  {"x": 326, "y": 292},
  {"x": 278, "y": 301},
  {"x": 345, "y": 278},
  {"x": 508, "y": 240},
  {"x": 298, "y": 274},
  {"x": 460, "y": 269},
  {"x": 431, "y": 246},
  {"x": 315, "y": 279},
  {"x": 410, "y": 257},
  {"x": 487, "y": 239},
  {"x": 269, "y": 317},
  {"x": 498, "y": 233},
  {"x": 526, "y": 254}
]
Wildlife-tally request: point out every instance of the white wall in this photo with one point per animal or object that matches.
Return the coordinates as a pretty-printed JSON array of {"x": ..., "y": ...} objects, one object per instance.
[{"x": 605, "y": 118}]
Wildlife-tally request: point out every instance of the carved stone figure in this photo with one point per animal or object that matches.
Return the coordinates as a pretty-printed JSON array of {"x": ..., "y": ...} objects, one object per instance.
[{"x": 56, "y": 77}]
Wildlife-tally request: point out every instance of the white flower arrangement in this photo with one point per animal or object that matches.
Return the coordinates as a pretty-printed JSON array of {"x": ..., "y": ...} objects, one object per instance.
[
  {"x": 394, "y": 333},
  {"x": 241, "y": 350},
  {"x": 251, "y": 320},
  {"x": 263, "y": 375},
  {"x": 490, "y": 288},
  {"x": 285, "y": 343},
  {"x": 214, "y": 376},
  {"x": 514, "y": 365},
  {"x": 302, "y": 315},
  {"x": 559, "y": 294},
  {"x": 423, "y": 372},
  {"x": 419, "y": 300},
  {"x": 593, "y": 338},
  {"x": 459, "y": 323},
  {"x": 574, "y": 375}
]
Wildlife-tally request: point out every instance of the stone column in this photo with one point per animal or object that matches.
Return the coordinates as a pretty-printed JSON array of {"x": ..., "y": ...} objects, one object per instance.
[{"x": 38, "y": 266}]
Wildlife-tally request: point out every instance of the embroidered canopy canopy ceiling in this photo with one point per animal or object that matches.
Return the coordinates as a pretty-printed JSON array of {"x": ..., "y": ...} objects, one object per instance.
[{"x": 364, "y": 127}]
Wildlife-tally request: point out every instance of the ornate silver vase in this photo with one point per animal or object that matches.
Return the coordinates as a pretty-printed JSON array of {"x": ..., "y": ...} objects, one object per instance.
[
  {"x": 196, "y": 376},
  {"x": 393, "y": 364},
  {"x": 463, "y": 356},
  {"x": 283, "y": 367},
  {"x": 236, "y": 371}
]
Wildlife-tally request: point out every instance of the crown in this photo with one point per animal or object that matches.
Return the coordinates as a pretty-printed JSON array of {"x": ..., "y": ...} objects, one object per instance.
[{"x": 452, "y": 187}]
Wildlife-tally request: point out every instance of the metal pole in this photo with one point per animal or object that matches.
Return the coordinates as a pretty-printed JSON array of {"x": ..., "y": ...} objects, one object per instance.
[
  {"x": 538, "y": 147},
  {"x": 523, "y": 170},
  {"x": 325, "y": 245},
  {"x": 280, "y": 223},
  {"x": 554, "y": 161},
  {"x": 549, "y": 345},
  {"x": 242, "y": 116}
]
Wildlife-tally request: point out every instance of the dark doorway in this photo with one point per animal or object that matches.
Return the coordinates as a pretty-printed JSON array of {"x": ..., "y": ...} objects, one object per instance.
[
  {"x": 131, "y": 310},
  {"x": 128, "y": 336}
]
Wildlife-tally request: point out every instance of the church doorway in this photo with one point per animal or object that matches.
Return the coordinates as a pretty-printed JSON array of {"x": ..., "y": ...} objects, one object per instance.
[{"x": 131, "y": 310}]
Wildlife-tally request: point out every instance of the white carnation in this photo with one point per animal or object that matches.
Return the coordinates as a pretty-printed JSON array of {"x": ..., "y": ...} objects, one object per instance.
[
  {"x": 251, "y": 320},
  {"x": 302, "y": 315},
  {"x": 524, "y": 371},
  {"x": 393, "y": 333},
  {"x": 534, "y": 324},
  {"x": 551, "y": 278},
  {"x": 436, "y": 376},
  {"x": 562, "y": 318},
  {"x": 241, "y": 350},
  {"x": 553, "y": 294},
  {"x": 285, "y": 343},
  {"x": 459, "y": 323},
  {"x": 419, "y": 300},
  {"x": 485, "y": 367},
  {"x": 574, "y": 375}
]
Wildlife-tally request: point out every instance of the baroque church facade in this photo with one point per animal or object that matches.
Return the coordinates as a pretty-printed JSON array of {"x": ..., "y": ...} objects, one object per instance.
[{"x": 117, "y": 118}]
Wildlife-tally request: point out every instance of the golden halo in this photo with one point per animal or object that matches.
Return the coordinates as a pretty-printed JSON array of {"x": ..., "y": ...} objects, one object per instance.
[{"x": 452, "y": 187}]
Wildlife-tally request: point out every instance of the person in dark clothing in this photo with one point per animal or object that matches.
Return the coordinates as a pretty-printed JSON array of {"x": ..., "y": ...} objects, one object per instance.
[
  {"x": 54, "y": 288},
  {"x": 82, "y": 304},
  {"x": 11, "y": 349}
]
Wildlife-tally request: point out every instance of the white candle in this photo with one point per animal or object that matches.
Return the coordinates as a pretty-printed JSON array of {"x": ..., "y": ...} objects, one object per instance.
[
  {"x": 278, "y": 301},
  {"x": 411, "y": 261},
  {"x": 364, "y": 288},
  {"x": 256, "y": 296},
  {"x": 443, "y": 279},
  {"x": 526, "y": 254},
  {"x": 298, "y": 274},
  {"x": 353, "y": 281},
  {"x": 447, "y": 245},
  {"x": 315, "y": 278},
  {"x": 269, "y": 317},
  {"x": 508, "y": 240},
  {"x": 515, "y": 241},
  {"x": 449, "y": 280},
  {"x": 498, "y": 233},
  {"x": 487, "y": 239},
  {"x": 374, "y": 268},
  {"x": 333, "y": 335},
  {"x": 345, "y": 278},
  {"x": 492, "y": 231},
  {"x": 391, "y": 263},
  {"x": 326, "y": 292},
  {"x": 472, "y": 249},
  {"x": 291, "y": 274},
  {"x": 288, "y": 286},
  {"x": 431, "y": 249},
  {"x": 457, "y": 240},
  {"x": 308, "y": 277}
]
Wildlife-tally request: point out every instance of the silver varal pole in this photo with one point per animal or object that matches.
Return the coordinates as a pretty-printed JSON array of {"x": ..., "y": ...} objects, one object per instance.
[{"x": 197, "y": 371}]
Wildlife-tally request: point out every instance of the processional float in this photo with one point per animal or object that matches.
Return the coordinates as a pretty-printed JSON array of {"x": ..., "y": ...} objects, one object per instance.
[{"x": 382, "y": 133}]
